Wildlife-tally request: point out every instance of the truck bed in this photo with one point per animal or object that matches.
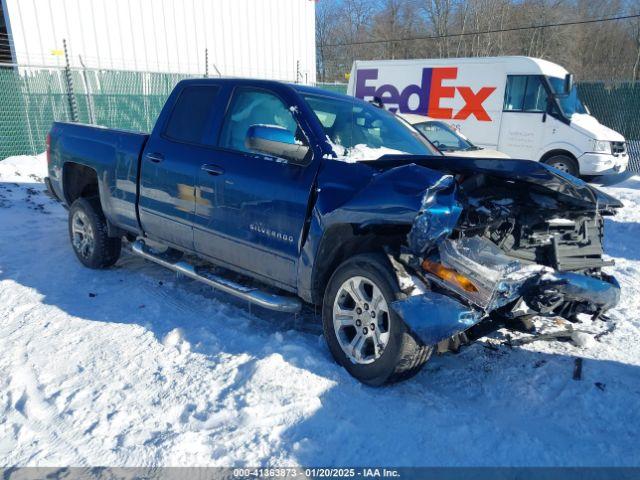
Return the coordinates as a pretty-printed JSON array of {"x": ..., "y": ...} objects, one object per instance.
[{"x": 114, "y": 156}]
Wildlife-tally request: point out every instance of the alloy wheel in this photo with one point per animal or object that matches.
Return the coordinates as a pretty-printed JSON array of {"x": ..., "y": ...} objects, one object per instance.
[
  {"x": 361, "y": 320},
  {"x": 83, "y": 236}
]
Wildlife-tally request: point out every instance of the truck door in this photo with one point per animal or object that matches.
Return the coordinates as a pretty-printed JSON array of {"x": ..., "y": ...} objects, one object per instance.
[
  {"x": 522, "y": 129},
  {"x": 170, "y": 165},
  {"x": 251, "y": 208}
]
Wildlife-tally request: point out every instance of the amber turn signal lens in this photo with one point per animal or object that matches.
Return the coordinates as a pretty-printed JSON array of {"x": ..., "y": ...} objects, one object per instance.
[{"x": 449, "y": 275}]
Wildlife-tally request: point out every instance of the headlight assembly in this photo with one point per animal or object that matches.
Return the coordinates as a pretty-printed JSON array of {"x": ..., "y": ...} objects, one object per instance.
[{"x": 602, "y": 146}]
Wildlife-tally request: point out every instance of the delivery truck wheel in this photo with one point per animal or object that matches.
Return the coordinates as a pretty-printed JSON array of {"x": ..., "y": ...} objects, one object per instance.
[
  {"x": 363, "y": 333},
  {"x": 88, "y": 233},
  {"x": 564, "y": 163}
]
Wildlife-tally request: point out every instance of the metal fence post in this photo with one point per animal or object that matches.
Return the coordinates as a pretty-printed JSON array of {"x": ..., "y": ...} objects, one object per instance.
[
  {"x": 73, "y": 105},
  {"x": 87, "y": 89}
]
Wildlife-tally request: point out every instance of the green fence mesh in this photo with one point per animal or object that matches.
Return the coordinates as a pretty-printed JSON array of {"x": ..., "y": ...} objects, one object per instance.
[
  {"x": 334, "y": 87},
  {"x": 616, "y": 105},
  {"x": 30, "y": 99}
]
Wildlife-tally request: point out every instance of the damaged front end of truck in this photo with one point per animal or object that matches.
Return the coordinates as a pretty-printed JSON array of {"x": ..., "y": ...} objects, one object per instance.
[{"x": 489, "y": 237}]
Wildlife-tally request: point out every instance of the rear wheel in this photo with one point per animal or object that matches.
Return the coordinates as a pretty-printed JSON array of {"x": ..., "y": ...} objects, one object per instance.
[
  {"x": 363, "y": 332},
  {"x": 88, "y": 234},
  {"x": 564, "y": 163}
]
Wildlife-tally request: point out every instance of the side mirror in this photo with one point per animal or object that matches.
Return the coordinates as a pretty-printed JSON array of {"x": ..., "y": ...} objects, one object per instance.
[
  {"x": 277, "y": 141},
  {"x": 568, "y": 83}
]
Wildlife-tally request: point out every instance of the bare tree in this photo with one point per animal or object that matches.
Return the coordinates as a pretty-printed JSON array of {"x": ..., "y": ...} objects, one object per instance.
[
  {"x": 439, "y": 13},
  {"x": 325, "y": 31},
  {"x": 599, "y": 51},
  {"x": 635, "y": 34}
]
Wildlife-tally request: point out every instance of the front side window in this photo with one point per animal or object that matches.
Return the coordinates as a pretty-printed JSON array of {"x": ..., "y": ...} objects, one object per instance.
[
  {"x": 360, "y": 131},
  {"x": 525, "y": 93},
  {"x": 444, "y": 137},
  {"x": 255, "y": 107},
  {"x": 190, "y": 120}
]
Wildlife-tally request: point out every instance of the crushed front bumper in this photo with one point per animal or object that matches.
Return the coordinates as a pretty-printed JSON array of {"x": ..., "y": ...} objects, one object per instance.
[{"x": 435, "y": 316}]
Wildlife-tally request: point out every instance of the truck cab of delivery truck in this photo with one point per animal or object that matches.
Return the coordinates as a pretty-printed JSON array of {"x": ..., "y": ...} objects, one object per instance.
[{"x": 527, "y": 108}]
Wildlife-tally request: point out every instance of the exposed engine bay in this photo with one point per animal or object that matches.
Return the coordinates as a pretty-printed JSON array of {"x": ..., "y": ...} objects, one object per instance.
[
  {"x": 503, "y": 245},
  {"x": 532, "y": 226}
]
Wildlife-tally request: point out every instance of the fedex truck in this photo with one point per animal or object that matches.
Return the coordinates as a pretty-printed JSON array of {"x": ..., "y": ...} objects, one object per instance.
[{"x": 525, "y": 107}]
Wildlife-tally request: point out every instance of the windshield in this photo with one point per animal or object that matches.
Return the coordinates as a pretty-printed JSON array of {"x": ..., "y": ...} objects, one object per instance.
[
  {"x": 360, "y": 131},
  {"x": 571, "y": 103},
  {"x": 444, "y": 137}
]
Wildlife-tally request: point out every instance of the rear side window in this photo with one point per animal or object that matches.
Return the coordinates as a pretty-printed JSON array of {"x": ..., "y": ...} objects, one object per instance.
[
  {"x": 191, "y": 118},
  {"x": 525, "y": 93},
  {"x": 514, "y": 94},
  {"x": 535, "y": 98}
]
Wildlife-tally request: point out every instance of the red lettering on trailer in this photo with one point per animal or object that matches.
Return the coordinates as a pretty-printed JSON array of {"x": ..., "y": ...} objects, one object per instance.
[
  {"x": 430, "y": 92},
  {"x": 438, "y": 92},
  {"x": 473, "y": 103}
]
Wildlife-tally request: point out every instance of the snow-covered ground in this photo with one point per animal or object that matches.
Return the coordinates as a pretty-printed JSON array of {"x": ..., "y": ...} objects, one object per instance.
[{"x": 131, "y": 366}]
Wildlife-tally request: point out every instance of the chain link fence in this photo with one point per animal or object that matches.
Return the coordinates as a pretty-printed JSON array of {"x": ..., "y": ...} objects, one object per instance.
[
  {"x": 616, "y": 105},
  {"x": 32, "y": 98}
]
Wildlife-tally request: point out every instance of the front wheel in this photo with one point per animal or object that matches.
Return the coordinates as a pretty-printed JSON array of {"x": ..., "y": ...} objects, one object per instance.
[
  {"x": 565, "y": 164},
  {"x": 88, "y": 234},
  {"x": 363, "y": 332}
]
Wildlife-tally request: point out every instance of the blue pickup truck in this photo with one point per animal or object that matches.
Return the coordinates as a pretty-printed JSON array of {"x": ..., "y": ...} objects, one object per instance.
[{"x": 285, "y": 194}]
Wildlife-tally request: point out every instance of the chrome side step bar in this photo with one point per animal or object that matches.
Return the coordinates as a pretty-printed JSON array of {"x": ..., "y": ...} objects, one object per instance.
[{"x": 254, "y": 295}]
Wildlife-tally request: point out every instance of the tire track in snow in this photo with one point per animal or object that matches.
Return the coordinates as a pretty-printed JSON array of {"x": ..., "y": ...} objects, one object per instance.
[{"x": 40, "y": 416}]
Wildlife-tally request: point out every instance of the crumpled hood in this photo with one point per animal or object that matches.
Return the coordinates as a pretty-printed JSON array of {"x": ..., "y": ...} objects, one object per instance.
[
  {"x": 527, "y": 171},
  {"x": 592, "y": 128},
  {"x": 420, "y": 192}
]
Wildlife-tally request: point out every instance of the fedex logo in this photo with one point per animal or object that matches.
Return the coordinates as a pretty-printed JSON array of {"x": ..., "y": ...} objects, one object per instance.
[{"x": 430, "y": 92}]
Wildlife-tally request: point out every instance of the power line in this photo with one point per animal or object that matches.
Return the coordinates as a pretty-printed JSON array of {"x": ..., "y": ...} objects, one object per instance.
[{"x": 482, "y": 32}]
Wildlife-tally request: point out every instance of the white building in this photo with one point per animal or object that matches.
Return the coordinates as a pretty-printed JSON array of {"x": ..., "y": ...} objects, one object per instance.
[{"x": 251, "y": 38}]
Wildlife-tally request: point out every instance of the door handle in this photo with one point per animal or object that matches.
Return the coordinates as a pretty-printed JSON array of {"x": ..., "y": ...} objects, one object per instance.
[
  {"x": 155, "y": 157},
  {"x": 213, "y": 169}
]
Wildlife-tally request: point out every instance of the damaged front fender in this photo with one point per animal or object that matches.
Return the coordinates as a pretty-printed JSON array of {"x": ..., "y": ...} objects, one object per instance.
[
  {"x": 391, "y": 197},
  {"x": 439, "y": 214},
  {"x": 422, "y": 199}
]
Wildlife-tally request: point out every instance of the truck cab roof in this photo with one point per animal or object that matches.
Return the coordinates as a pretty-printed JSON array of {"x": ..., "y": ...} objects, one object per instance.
[{"x": 235, "y": 82}]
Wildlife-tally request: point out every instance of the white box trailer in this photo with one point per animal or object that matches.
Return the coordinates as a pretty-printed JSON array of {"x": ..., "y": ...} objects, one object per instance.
[{"x": 526, "y": 107}]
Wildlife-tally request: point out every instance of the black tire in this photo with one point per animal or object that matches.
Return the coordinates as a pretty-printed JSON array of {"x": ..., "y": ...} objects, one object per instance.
[
  {"x": 105, "y": 250},
  {"x": 564, "y": 163},
  {"x": 405, "y": 354}
]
